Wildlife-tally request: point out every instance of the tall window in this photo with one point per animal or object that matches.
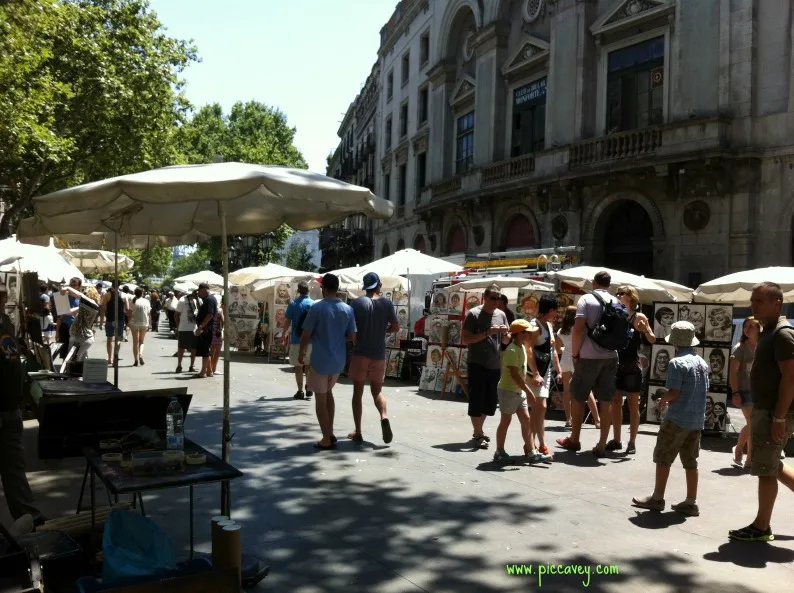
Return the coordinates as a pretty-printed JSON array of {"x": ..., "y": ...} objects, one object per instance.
[
  {"x": 529, "y": 118},
  {"x": 404, "y": 120},
  {"x": 403, "y": 182},
  {"x": 387, "y": 187},
  {"x": 389, "y": 86},
  {"x": 465, "y": 144},
  {"x": 388, "y": 132},
  {"x": 421, "y": 172},
  {"x": 635, "y": 86},
  {"x": 424, "y": 100},
  {"x": 424, "y": 49},
  {"x": 406, "y": 68}
]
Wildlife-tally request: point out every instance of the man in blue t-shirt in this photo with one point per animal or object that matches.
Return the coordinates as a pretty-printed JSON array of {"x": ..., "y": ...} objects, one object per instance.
[
  {"x": 329, "y": 324},
  {"x": 374, "y": 318},
  {"x": 66, "y": 318},
  {"x": 295, "y": 316},
  {"x": 679, "y": 435}
]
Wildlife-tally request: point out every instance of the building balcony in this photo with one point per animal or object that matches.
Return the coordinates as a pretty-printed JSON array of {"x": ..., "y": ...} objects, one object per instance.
[
  {"x": 615, "y": 146},
  {"x": 515, "y": 168}
]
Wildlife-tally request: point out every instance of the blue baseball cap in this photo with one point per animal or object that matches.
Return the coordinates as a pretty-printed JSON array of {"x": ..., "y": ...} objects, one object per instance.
[{"x": 371, "y": 281}]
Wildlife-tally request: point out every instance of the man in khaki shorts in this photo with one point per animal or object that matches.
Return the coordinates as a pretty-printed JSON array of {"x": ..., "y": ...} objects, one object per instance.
[
  {"x": 772, "y": 386},
  {"x": 293, "y": 326}
]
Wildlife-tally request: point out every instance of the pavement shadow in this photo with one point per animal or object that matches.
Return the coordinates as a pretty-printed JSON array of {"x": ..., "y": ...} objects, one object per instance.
[
  {"x": 751, "y": 554},
  {"x": 579, "y": 459},
  {"x": 718, "y": 444},
  {"x": 731, "y": 471},
  {"x": 656, "y": 520},
  {"x": 467, "y": 447}
]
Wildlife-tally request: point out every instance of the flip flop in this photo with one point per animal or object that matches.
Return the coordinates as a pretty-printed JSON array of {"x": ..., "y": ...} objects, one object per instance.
[
  {"x": 387, "y": 433},
  {"x": 321, "y": 447},
  {"x": 356, "y": 436}
]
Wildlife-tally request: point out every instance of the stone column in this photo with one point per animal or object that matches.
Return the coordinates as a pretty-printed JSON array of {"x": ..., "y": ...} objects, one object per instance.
[
  {"x": 442, "y": 81},
  {"x": 490, "y": 47}
]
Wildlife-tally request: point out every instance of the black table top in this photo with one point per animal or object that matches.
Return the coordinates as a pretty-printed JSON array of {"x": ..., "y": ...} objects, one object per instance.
[
  {"x": 119, "y": 480},
  {"x": 67, "y": 387}
]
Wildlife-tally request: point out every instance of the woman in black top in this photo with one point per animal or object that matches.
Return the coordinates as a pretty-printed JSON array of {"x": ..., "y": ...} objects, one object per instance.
[{"x": 629, "y": 376}]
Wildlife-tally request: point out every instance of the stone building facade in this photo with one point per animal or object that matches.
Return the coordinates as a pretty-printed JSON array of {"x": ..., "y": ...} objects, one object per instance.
[{"x": 655, "y": 134}]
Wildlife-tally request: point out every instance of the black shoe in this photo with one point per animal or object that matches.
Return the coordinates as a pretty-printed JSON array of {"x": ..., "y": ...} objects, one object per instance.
[
  {"x": 298, "y": 395},
  {"x": 192, "y": 369},
  {"x": 309, "y": 394},
  {"x": 614, "y": 445},
  {"x": 142, "y": 363},
  {"x": 178, "y": 369},
  {"x": 751, "y": 534},
  {"x": 135, "y": 364}
]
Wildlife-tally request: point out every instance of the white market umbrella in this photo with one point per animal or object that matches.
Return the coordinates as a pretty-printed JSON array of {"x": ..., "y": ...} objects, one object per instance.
[
  {"x": 649, "y": 291},
  {"x": 46, "y": 262},
  {"x": 409, "y": 261},
  {"x": 35, "y": 232},
  {"x": 209, "y": 277},
  {"x": 679, "y": 291},
  {"x": 501, "y": 282},
  {"x": 246, "y": 276},
  {"x": 736, "y": 288},
  {"x": 96, "y": 261},
  {"x": 185, "y": 287},
  {"x": 219, "y": 199}
]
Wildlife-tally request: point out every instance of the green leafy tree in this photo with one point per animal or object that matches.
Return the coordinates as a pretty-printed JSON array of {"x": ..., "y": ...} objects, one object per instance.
[
  {"x": 191, "y": 263},
  {"x": 297, "y": 256},
  {"x": 152, "y": 261},
  {"x": 252, "y": 132},
  {"x": 89, "y": 89}
]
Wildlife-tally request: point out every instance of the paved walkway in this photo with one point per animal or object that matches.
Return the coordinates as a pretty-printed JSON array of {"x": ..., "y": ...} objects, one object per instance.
[{"x": 429, "y": 513}]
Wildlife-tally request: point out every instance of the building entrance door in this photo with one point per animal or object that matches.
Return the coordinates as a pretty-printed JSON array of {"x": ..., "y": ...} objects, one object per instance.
[{"x": 628, "y": 234}]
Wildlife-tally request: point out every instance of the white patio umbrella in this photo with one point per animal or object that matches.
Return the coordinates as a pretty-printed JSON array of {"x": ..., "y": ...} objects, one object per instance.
[
  {"x": 96, "y": 261},
  {"x": 208, "y": 277},
  {"x": 246, "y": 276},
  {"x": 649, "y": 291},
  {"x": 185, "y": 287},
  {"x": 679, "y": 291},
  {"x": 33, "y": 232},
  {"x": 219, "y": 199},
  {"x": 736, "y": 288},
  {"x": 48, "y": 263},
  {"x": 409, "y": 261},
  {"x": 501, "y": 282}
]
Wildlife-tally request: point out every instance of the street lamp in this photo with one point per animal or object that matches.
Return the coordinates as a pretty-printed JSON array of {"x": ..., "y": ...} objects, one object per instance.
[{"x": 267, "y": 241}]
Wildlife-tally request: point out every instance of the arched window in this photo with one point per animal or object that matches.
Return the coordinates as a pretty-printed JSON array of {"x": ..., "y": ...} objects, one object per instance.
[
  {"x": 519, "y": 233},
  {"x": 419, "y": 244},
  {"x": 384, "y": 252},
  {"x": 400, "y": 245},
  {"x": 456, "y": 240}
]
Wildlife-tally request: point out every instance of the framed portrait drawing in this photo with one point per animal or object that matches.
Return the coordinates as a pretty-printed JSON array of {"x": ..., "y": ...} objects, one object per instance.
[
  {"x": 719, "y": 323},
  {"x": 394, "y": 364},
  {"x": 439, "y": 305},
  {"x": 402, "y": 315},
  {"x": 472, "y": 299},
  {"x": 12, "y": 286},
  {"x": 453, "y": 352},
  {"x": 456, "y": 303},
  {"x": 664, "y": 316},
  {"x": 454, "y": 328},
  {"x": 716, "y": 412},
  {"x": 661, "y": 355},
  {"x": 696, "y": 315},
  {"x": 652, "y": 412},
  {"x": 527, "y": 307},
  {"x": 718, "y": 360},
  {"x": 283, "y": 294},
  {"x": 391, "y": 340},
  {"x": 427, "y": 382},
  {"x": 463, "y": 367},
  {"x": 434, "y": 326},
  {"x": 435, "y": 356}
]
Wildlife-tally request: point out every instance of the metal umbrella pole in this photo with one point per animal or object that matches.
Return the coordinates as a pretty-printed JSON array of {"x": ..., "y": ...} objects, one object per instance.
[
  {"x": 226, "y": 503},
  {"x": 115, "y": 311}
]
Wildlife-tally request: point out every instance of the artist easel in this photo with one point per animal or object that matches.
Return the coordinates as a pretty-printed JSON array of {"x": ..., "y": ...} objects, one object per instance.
[{"x": 452, "y": 367}]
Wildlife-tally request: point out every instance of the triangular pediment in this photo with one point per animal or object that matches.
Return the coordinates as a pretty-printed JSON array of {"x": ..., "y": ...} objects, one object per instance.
[
  {"x": 530, "y": 52},
  {"x": 626, "y": 13},
  {"x": 464, "y": 90}
]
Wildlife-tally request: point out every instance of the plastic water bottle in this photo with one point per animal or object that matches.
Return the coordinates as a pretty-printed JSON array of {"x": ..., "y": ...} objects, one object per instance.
[{"x": 174, "y": 420}]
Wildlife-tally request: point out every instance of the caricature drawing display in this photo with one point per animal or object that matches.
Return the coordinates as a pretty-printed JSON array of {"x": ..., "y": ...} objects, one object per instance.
[{"x": 719, "y": 324}]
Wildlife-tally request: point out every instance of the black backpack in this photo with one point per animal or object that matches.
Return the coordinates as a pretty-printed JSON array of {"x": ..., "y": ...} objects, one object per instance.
[{"x": 614, "y": 330}]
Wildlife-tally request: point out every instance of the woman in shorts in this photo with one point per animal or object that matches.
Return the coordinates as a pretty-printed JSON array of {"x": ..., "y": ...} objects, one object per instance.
[
  {"x": 140, "y": 319},
  {"x": 628, "y": 379},
  {"x": 739, "y": 381}
]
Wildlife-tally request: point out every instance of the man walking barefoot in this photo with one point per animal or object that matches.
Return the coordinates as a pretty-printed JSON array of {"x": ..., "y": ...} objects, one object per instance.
[
  {"x": 772, "y": 386},
  {"x": 374, "y": 318},
  {"x": 329, "y": 324}
]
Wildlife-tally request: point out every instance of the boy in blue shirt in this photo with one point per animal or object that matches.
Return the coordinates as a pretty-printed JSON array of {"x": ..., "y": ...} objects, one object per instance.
[
  {"x": 329, "y": 324},
  {"x": 687, "y": 387}
]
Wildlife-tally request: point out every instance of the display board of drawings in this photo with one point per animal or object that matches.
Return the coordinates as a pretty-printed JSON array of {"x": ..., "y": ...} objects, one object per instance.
[
  {"x": 714, "y": 330},
  {"x": 394, "y": 355},
  {"x": 243, "y": 318},
  {"x": 12, "y": 284}
]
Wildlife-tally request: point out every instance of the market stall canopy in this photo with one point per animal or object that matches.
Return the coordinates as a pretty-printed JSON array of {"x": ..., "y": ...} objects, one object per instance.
[
  {"x": 736, "y": 288},
  {"x": 211, "y": 278},
  {"x": 185, "y": 287},
  {"x": 246, "y": 276},
  {"x": 33, "y": 231},
  {"x": 96, "y": 261},
  {"x": 47, "y": 262},
  {"x": 650, "y": 291},
  {"x": 679, "y": 291},
  {"x": 409, "y": 261},
  {"x": 501, "y": 282}
]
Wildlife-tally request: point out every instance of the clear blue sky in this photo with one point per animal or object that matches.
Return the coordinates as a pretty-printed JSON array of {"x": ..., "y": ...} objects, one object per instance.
[{"x": 307, "y": 57}]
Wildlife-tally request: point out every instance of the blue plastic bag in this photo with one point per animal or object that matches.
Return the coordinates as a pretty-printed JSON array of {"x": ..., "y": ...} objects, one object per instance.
[{"x": 134, "y": 546}]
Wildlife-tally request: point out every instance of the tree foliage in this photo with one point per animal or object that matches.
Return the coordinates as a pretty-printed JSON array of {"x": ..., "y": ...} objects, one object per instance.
[
  {"x": 152, "y": 261},
  {"x": 191, "y": 263},
  {"x": 298, "y": 256},
  {"x": 89, "y": 89},
  {"x": 251, "y": 132}
]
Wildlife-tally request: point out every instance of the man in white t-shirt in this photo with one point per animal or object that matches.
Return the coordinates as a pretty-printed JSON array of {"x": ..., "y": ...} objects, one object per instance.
[
  {"x": 127, "y": 295},
  {"x": 185, "y": 319},
  {"x": 594, "y": 367}
]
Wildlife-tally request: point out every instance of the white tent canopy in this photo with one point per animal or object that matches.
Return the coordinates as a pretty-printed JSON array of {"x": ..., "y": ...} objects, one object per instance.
[
  {"x": 246, "y": 276},
  {"x": 185, "y": 287},
  {"x": 408, "y": 261},
  {"x": 96, "y": 261},
  {"x": 736, "y": 288},
  {"x": 501, "y": 282},
  {"x": 649, "y": 290},
  {"x": 209, "y": 277},
  {"x": 47, "y": 262}
]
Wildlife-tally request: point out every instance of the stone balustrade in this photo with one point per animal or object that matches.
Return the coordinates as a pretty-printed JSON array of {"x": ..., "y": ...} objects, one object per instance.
[
  {"x": 616, "y": 146},
  {"x": 515, "y": 168}
]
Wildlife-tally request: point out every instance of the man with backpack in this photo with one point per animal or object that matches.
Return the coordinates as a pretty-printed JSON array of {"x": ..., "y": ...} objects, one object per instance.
[
  {"x": 602, "y": 328},
  {"x": 294, "y": 318}
]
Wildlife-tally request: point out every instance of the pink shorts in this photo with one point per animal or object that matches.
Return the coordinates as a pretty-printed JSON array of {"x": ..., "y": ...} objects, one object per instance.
[
  {"x": 365, "y": 369},
  {"x": 320, "y": 383}
]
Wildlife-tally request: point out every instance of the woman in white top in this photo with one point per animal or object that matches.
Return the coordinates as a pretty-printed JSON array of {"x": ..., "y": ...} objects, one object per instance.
[
  {"x": 563, "y": 346},
  {"x": 140, "y": 318}
]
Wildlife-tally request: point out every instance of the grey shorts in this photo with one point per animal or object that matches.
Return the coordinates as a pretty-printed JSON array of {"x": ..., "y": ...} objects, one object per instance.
[
  {"x": 596, "y": 375},
  {"x": 511, "y": 401}
]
